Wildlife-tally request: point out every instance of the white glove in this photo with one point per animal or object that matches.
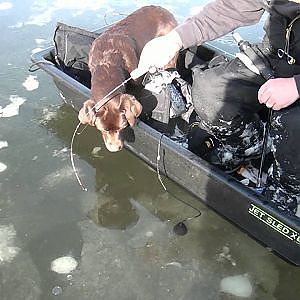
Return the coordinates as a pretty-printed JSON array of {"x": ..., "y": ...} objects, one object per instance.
[{"x": 157, "y": 53}]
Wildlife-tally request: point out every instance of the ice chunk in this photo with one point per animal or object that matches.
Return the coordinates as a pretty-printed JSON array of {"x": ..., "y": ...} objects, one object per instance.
[
  {"x": 238, "y": 285},
  {"x": 64, "y": 264},
  {"x": 31, "y": 83},
  {"x": 3, "y": 144},
  {"x": 3, "y": 167},
  {"x": 12, "y": 109},
  {"x": 7, "y": 238}
]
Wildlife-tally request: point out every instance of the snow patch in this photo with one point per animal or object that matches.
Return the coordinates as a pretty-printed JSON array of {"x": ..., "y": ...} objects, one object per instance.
[
  {"x": 3, "y": 144},
  {"x": 40, "y": 41},
  {"x": 12, "y": 109},
  {"x": 31, "y": 83},
  {"x": 64, "y": 265},
  {"x": 7, "y": 238},
  {"x": 3, "y": 167},
  {"x": 238, "y": 286},
  {"x": 5, "y": 5}
]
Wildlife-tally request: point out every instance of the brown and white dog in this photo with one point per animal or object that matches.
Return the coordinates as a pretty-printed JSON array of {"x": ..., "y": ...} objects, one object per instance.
[{"x": 113, "y": 56}]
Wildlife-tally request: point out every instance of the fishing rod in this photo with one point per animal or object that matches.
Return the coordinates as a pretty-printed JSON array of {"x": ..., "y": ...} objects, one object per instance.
[
  {"x": 133, "y": 75},
  {"x": 256, "y": 64}
]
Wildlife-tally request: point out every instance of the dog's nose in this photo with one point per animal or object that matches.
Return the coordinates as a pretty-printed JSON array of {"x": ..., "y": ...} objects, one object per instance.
[{"x": 113, "y": 148}]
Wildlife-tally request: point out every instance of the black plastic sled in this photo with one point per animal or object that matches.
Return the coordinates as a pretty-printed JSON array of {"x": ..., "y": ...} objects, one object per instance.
[{"x": 224, "y": 193}]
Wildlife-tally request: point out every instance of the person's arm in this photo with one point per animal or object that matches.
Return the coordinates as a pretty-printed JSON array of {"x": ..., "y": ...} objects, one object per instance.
[
  {"x": 214, "y": 20},
  {"x": 217, "y": 19}
]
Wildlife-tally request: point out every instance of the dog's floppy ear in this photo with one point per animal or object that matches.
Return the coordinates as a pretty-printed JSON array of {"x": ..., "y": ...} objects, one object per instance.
[
  {"x": 100, "y": 117},
  {"x": 131, "y": 107},
  {"x": 101, "y": 112}
]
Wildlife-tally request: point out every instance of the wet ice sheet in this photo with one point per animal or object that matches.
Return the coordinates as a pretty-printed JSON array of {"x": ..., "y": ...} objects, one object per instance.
[{"x": 191, "y": 267}]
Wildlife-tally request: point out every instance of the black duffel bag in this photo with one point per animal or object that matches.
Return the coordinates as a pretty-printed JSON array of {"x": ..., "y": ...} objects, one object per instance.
[{"x": 71, "y": 52}]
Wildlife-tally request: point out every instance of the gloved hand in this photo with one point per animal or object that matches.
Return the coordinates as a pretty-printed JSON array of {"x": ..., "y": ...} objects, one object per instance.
[
  {"x": 278, "y": 93},
  {"x": 157, "y": 53}
]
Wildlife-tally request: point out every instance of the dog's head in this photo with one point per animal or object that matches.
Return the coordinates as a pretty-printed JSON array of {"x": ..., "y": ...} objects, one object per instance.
[{"x": 114, "y": 116}]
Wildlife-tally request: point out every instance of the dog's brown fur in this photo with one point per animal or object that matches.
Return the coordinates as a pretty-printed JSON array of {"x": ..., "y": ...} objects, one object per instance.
[{"x": 113, "y": 56}]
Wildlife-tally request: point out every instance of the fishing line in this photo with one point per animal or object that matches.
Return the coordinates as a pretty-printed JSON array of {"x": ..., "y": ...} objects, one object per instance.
[
  {"x": 96, "y": 107},
  {"x": 180, "y": 228},
  {"x": 84, "y": 188},
  {"x": 157, "y": 162}
]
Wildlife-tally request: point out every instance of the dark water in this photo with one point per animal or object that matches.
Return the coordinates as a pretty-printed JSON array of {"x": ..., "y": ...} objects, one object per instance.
[{"x": 116, "y": 240}]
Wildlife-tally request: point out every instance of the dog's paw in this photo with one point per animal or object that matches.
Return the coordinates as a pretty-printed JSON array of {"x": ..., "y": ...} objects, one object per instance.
[{"x": 87, "y": 113}]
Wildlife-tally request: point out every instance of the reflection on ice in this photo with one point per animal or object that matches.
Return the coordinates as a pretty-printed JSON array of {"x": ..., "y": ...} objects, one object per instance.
[
  {"x": 146, "y": 228},
  {"x": 51, "y": 180}
]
